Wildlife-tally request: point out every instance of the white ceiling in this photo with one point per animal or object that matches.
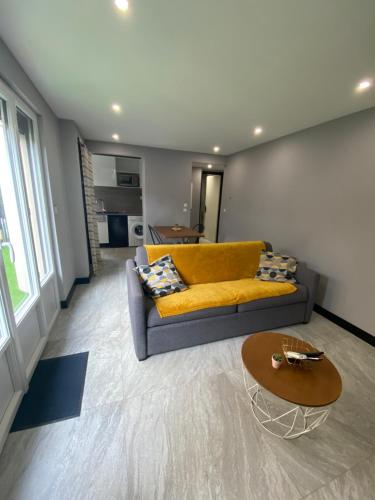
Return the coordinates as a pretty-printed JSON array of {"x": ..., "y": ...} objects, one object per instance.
[{"x": 194, "y": 73}]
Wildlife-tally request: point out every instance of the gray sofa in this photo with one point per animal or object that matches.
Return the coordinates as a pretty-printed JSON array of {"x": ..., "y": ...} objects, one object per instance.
[{"x": 154, "y": 335}]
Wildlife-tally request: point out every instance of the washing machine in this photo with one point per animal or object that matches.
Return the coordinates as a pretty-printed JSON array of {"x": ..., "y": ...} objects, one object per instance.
[{"x": 135, "y": 230}]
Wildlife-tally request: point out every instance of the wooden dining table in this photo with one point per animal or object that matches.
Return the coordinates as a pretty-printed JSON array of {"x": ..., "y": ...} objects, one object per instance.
[{"x": 184, "y": 233}]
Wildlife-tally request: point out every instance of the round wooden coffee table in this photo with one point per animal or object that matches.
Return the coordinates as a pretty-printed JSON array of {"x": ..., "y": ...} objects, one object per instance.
[{"x": 310, "y": 390}]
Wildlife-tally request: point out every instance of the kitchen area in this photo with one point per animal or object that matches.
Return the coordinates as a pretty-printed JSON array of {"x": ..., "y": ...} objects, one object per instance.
[{"x": 118, "y": 194}]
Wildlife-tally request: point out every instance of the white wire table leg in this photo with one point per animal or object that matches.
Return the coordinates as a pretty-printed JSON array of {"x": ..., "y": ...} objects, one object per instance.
[{"x": 311, "y": 417}]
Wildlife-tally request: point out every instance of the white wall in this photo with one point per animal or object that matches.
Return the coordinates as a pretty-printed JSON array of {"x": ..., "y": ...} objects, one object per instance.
[
  {"x": 196, "y": 181},
  {"x": 166, "y": 179},
  {"x": 13, "y": 74},
  {"x": 69, "y": 135},
  {"x": 213, "y": 184},
  {"x": 312, "y": 194}
]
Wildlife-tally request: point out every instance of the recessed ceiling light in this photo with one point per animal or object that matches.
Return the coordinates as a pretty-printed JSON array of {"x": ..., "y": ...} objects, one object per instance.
[
  {"x": 258, "y": 130},
  {"x": 209, "y": 166},
  {"x": 122, "y": 5},
  {"x": 115, "y": 137},
  {"x": 363, "y": 85},
  {"x": 116, "y": 108},
  {"x": 216, "y": 149}
]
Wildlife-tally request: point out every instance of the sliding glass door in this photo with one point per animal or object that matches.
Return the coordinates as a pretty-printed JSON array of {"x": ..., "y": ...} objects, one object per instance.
[
  {"x": 29, "y": 300},
  {"x": 14, "y": 236},
  {"x": 33, "y": 186}
]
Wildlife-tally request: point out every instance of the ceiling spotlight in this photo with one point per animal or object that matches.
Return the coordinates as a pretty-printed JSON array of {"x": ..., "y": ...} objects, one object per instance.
[
  {"x": 115, "y": 137},
  {"x": 122, "y": 5},
  {"x": 216, "y": 149},
  {"x": 209, "y": 166},
  {"x": 116, "y": 108},
  {"x": 258, "y": 130},
  {"x": 363, "y": 85}
]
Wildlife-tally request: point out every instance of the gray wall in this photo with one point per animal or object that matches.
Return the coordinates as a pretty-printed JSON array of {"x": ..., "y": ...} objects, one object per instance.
[
  {"x": 13, "y": 74},
  {"x": 69, "y": 135},
  {"x": 166, "y": 179},
  {"x": 312, "y": 194},
  {"x": 119, "y": 199}
]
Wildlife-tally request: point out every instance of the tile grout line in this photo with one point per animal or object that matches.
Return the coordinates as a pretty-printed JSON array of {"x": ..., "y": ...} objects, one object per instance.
[{"x": 334, "y": 478}]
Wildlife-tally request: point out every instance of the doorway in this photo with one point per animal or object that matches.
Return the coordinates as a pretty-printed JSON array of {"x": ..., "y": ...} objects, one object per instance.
[
  {"x": 210, "y": 202},
  {"x": 118, "y": 187}
]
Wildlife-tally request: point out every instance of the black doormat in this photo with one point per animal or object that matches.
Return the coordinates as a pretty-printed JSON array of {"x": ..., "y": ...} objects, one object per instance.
[{"x": 55, "y": 392}]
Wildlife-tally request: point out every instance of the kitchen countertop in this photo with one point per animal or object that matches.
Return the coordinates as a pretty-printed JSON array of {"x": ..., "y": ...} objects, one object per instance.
[{"x": 109, "y": 212}]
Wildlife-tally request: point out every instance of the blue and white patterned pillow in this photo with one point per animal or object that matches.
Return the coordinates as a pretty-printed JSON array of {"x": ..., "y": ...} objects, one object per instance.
[
  {"x": 274, "y": 266},
  {"x": 161, "y": 278}
]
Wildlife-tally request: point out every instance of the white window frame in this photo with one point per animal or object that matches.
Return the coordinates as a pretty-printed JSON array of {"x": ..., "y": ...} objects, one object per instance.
[
  {"x": 12, "y": 103},
  {"x": 5, "y": 338},
  {"x": 21, "y": 205},
  {"x": 40, "y": 192}
]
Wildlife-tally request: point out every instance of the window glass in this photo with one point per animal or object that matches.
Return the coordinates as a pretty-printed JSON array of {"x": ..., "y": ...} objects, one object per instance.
[
  {"x": 4, "y": 331},
  {"x": 12, "y": 245},
  {"x": 29, "y": 159}
]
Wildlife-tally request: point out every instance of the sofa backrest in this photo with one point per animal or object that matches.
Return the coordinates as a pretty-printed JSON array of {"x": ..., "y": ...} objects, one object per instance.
[{"x": 211, "y": 263}]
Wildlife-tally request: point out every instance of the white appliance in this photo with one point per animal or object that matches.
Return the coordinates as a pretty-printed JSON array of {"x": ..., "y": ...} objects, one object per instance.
[{"x": 135, "y": 230}]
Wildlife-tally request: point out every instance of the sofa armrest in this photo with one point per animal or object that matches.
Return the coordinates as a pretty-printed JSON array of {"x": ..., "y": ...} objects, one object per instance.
[
  {"x": 137, "y": 310},
  {"x": 310, "y": 279},
  {"x": 141, "y": 256}
]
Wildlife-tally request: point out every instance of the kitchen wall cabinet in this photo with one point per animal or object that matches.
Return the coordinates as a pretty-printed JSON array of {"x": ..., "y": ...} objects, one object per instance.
[{"x": 104, "y": 170}]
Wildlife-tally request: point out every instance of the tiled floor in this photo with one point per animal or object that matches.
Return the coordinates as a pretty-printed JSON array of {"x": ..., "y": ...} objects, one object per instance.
[{"x": 178, "y": 425}]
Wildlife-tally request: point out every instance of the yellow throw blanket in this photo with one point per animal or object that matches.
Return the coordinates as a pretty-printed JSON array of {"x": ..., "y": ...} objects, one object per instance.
[
  {"x": 220, "y": 274},
  {"x": 226, "y": 293},
  {"x": 211, "y": 263}
]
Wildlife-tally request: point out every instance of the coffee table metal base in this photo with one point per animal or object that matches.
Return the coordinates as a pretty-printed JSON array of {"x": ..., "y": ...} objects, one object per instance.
[{"x": 290, "y": 424}]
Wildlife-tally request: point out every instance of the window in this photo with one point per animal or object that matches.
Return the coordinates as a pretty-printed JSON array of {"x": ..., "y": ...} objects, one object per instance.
[
  {"x": 30, "y": 166},
  {"x": 25, "y": 250},
  {"x": 4, "y": 331},
  {"x": 12, "y": 242}
]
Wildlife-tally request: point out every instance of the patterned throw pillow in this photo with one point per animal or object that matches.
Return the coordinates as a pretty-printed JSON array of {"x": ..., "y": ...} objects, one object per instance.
[
  {"x": 274, "y": 266},
  {"x": 160, "y": 278}
]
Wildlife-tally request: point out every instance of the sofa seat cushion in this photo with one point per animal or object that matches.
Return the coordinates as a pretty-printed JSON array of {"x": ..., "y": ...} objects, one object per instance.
[
  {"x": 300, "y": 295},
  {"x": 225, "y": 293},
  {"x": 154, "y": 319}
]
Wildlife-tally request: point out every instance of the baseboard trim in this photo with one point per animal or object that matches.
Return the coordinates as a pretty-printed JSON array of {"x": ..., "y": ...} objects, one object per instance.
[
  {"x": 52, "y": 322},
  {"x": 64, "y": 304},
  {"x": 8, "y": 417},
  {"x": 35, "y": 358},
  {"x": 355, "y": 330},
  {"x": 82, "y": 281}
]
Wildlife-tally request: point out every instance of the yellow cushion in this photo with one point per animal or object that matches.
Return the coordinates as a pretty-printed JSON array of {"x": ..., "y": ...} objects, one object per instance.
[
  {"x": 203, "y": 296},
  {"x": 211, "y": 263}
]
